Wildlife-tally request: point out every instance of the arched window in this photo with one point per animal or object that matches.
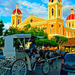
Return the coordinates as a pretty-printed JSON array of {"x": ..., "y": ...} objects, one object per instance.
[
  {"x": 59, "y": 26},
  {"x": 13, "y": 21},
  {"x": 52, "y": 25},
  {"x": 19, "y": 13},
  {"x": 52, "y": 31},
  {"x": 31, "y": 20},
  {"x": 69, "y": 25},
  {"x": 72, "y": 24},
  {"x": 52, "y": 1},
  {"x": 52, "y": 12},
  {"x": 59, "y": 11},
  {"x": 18, "y": 21},
  {"x": 60, "y": 30}
]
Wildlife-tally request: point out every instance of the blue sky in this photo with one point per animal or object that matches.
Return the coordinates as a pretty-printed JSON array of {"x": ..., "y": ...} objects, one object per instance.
[{"x": 38, "y": 8}]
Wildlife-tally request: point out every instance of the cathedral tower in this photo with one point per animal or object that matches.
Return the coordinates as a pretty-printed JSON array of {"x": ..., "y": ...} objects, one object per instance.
[
  {"x": 16, "y": 17},
  {"x": 55, "y": 26}
]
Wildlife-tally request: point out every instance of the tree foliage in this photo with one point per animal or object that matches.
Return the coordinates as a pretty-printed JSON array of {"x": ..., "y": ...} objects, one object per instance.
[
  {"x": 1, "y": 42},
  {"x": 53, "y": 42},
  {"x": 61, "y": 40},
  {"x": 37, "y": 32},
  {"x": 27, "y": 27},
  {"x": 46, "y": 42},
  {"x": 27, "y": 30},
  {"x": 1, "y": 27},
  {"x": 12, "y": 31},
  {"x": 57, "y": 41}
]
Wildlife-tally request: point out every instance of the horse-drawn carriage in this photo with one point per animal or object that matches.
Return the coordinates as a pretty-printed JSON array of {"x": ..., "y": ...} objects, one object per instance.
[{"x": 18, "y": 59}]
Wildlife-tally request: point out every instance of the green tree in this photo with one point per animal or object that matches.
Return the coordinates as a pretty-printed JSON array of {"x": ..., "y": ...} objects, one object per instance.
[
  {"x": 1, "y": 27},
  {"x": 43, "y": 42},
  {"x": 39, "y": 42},
  {"x": 6, "y": 32},
  {"x": 1, "y": 42},
  {"x": 37, "y": 32},
  {"x": 12, "y": 31},
  {"x": 61, "y": 40},
  {"x": 53, "y": 42},
  {"x": 28, "y": 30},
  {"x": 27, "y": 27}
]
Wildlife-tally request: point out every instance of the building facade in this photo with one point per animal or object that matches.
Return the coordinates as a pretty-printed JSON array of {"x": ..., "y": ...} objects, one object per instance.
[{"x": 53, "y": 25}]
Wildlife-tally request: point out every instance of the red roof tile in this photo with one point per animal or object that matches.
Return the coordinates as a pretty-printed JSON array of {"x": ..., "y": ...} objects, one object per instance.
[
  {"x": 18, "y": 11},
  {"x": 71, "y": 17},
  {"x": 71, "y": 42}
]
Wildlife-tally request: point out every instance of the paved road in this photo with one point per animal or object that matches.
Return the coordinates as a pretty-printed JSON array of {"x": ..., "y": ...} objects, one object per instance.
[{"x": 54, "y": 69}]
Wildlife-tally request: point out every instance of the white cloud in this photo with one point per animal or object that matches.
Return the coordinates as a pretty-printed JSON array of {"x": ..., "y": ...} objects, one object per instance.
[
  {"x": 66, "y": 2},
  {"x": 7, "y": 25},
  {"x": 6, "y": 9},
  {"x": 45, "y": 1},
  {"x": 68, "y": 7},
  {"x": 27, "y": 8},
  {"x": 67, "y": 10},
  {"x": 34, "y": 8}
]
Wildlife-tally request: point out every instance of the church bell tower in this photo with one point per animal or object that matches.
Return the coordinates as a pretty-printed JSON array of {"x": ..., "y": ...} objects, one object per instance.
[
  {"x": 55, "y": 21},
  {"x": 16, "y": 17}
]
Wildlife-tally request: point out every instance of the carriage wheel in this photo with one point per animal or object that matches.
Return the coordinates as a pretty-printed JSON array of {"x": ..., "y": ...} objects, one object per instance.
[
  {"x": 19, "y": 68},
  {"x": 55, "y": 66},
  {"x": 45, "y": 68},
  {"x": 2, "y": 71}
]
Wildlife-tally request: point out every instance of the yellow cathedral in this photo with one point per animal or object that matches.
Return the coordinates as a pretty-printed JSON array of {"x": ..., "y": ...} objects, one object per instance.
[{"x": 53, "y": 25}]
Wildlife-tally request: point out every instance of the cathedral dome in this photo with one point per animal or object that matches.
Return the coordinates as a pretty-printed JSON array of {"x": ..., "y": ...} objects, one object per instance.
[
  {"x": 17, "y": 10},
  {"x": 71, "y": 16}
]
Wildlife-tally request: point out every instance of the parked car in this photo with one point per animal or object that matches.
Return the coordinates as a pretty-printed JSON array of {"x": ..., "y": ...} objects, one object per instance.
[
  {"x": 63, "y": 54},
  {"x": 68, "y": 64}
]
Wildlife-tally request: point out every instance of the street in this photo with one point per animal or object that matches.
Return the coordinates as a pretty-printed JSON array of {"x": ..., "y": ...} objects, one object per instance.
[{"x": 54, "y": 69}]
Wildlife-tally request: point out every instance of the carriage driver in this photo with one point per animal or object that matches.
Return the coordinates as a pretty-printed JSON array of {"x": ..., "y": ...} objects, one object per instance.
[{"x": 32, "y": 47}]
